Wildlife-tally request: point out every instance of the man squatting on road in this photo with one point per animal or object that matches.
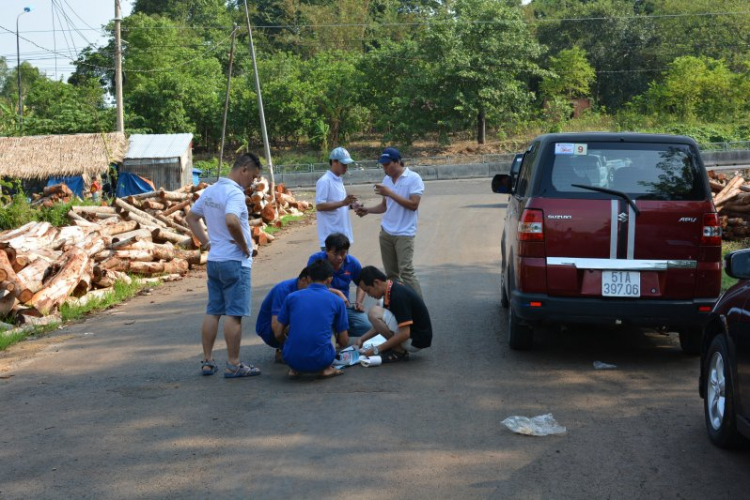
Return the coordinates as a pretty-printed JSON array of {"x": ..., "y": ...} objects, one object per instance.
[
  {"x": 310, "y": 314},
  {"x": 402, "y": 191},
  {"x": 346, "y": 270},
  {"x": 223, "y": 207},
  {"x": 332, "y": 204},
  {"x": 269, "y": 309},
  {"x": 403, "y": 320}
]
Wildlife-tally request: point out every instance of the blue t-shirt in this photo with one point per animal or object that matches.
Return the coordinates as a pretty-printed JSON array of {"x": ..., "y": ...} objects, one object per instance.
[
  {"x": 310, "y": 314},
  {"x": 271, "y": 306},
  {"x": 348, "y": 272}
]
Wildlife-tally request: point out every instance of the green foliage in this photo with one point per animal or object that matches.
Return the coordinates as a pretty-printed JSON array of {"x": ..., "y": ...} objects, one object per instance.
[
  {"x": 572, "y": 75},
  {"x": 13, "y": 338},
  {"x": 16, "y": 212}
]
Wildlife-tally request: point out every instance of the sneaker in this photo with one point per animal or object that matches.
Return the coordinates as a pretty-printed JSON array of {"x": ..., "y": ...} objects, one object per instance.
[
  {"x": 393, "y": 356},
  {"x": 241, "y": 370}
]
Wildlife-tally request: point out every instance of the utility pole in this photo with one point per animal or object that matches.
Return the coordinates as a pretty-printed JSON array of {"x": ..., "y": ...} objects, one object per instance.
[
  {"x": 260, "y": 106},
  {"x": 118, "y": 70},
  {"x": 226, "y": 103},
  {"x": 18, "y": 67}
]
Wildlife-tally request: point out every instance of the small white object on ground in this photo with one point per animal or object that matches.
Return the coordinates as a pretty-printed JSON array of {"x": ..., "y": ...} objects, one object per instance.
[
  {"x": 541, "y": 425},
  {"x": 370, "y": 361},
  {"x": 603, "y": 366}
]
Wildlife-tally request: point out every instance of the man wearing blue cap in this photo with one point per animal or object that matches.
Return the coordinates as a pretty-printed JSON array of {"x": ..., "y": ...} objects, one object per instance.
[
  {"x": 402, "y": 191},
  {"x": 332, "y": 204}
]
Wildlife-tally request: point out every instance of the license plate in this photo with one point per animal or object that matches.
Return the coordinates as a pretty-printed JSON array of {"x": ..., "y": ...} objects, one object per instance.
[{"x": 621, "y": 284}]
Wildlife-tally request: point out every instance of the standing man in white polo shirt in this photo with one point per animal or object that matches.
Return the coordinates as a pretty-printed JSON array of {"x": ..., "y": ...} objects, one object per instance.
[
  {"x": 402, "y": 191},
  {"x": 223, "y": 207},
  {"x": 332, "y": 204}
]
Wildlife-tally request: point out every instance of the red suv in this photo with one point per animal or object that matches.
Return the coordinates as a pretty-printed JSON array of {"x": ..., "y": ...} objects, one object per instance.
[{"x": 610, "y": 228}]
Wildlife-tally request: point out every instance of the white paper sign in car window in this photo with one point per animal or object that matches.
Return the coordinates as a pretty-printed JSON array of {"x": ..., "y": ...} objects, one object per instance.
[{"x": 568, "y": 148}]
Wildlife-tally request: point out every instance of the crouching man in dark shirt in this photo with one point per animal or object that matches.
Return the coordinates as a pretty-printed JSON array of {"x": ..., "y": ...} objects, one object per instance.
[
  {"x": 311, "y": 314},
  {"x": 403, "y": 320}
]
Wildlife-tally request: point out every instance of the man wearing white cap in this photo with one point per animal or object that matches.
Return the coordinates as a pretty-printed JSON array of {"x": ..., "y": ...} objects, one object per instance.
[{"x": 331, "y": 201}]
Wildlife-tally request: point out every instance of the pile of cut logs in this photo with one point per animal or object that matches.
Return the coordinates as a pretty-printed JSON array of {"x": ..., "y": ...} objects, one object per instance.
[
  {"x": 50, "y": 195},
  {"x": 42, "y": 267},
  {"x": 732, "y": 200}
]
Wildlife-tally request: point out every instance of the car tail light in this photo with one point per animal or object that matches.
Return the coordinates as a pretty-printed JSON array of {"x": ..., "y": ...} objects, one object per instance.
[
  {"x": 531, "y": 225},
  {"x": 711, "y": 230}
]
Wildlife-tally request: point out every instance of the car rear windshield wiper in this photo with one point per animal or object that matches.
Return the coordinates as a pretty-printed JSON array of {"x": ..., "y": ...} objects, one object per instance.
[{"x": 613, "y": 192}]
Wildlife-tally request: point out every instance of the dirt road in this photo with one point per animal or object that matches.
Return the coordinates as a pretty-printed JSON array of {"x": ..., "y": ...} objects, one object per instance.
[{"x": 117, "y": 409}]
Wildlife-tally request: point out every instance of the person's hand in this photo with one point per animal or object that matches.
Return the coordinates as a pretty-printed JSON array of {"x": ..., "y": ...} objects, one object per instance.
[
  {"x": 361, "y": 211},
  {"x": 341, "y": 295},
  {"x": 358, "y": 306},
  {"x": 358, "y": 344},
  {"x": 350, "y": 199},
  {"x": 382, "y": 190}
]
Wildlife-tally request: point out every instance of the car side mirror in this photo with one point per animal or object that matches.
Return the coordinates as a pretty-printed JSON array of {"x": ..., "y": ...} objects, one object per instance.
[
  {"x": 502, "y": 183},
  {"x": 737, "y": 264}
]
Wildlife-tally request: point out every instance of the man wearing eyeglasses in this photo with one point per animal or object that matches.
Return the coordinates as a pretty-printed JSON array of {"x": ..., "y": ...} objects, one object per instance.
[{"x": 402, "y": 191}]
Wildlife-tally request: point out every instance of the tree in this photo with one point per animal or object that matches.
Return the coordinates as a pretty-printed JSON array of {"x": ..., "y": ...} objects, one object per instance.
[{"x": 571, "y": 77}]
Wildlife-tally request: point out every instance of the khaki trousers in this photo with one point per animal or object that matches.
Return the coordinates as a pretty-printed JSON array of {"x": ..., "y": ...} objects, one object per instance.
[{"x": 398, "y": 255}]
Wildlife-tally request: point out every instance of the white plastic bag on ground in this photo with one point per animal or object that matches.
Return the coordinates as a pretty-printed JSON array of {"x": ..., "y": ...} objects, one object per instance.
[
  {"x": 598, "y": 365},
  {"x": 542, "y": 425}
]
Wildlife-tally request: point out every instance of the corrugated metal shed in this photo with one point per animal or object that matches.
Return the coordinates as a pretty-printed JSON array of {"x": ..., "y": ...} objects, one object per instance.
[
  {"x": 164, "y": 159},
  {"x": 158, "y": 145}
]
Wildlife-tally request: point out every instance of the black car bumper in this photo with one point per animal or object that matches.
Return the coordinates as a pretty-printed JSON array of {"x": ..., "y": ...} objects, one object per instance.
[{"x": 539, "y": 308}]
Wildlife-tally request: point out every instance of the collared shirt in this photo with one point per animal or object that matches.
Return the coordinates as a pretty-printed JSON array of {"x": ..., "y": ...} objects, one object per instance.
[
  {"x": 330, "y": 188},
  {"x": 310, "y": 314},
  {"x": 409, "y": 310},
  {"x": 398, "y": 220},
  {"x": 348, "y": 272},
  {"x": 272, "y": 305},
  {"x": 222, "y": 198}
]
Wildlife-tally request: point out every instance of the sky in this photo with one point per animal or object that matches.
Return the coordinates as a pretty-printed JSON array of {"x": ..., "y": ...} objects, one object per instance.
[{"x": 71, "y": 17}]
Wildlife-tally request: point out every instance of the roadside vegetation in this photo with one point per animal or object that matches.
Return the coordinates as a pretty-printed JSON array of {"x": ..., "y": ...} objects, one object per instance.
[{"x": 728, "y": 247}]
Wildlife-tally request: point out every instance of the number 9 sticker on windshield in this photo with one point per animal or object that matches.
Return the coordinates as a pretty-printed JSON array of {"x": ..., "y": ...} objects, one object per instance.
[{"x": 565, "y": 148}]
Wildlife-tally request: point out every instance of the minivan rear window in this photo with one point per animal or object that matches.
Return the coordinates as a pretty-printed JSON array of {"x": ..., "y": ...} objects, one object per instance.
[{"x": 645, "y": 171}]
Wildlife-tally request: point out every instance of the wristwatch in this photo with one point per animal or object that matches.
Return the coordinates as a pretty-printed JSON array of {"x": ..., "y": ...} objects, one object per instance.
[{"x": 375, "y": 350}]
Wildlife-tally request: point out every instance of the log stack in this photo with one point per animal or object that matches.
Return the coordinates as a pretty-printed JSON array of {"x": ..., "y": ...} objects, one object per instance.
[
  {"x": 732, "y": 200},
  {"x": 51, "y": 195},
  {"x": 42, "y": 266}
]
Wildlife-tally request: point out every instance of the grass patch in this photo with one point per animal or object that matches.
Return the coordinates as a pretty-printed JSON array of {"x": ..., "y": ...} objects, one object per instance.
[
  {"x": 122, "y": 291},
  {"x": 285, "y": 221},
  {"x": 14, "y": 338},
  {"x": 728, "y": 247}
]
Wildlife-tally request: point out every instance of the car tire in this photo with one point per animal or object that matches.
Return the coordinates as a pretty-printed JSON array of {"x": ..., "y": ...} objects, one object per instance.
[
  {"x": 504, "y": 299},
  {"x": 690, "y": 340},
  {"x": 718, "y": 403},
  {"x": 520, "y": 336}
]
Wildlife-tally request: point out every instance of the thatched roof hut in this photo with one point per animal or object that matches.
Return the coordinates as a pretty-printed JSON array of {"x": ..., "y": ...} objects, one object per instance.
[{"x": 43, "y": 156}]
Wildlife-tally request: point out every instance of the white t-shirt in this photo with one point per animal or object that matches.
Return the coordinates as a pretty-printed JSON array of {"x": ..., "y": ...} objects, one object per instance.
[
  {"x": 330, "y": 188},
  {"x": 222, "y": 198},
  {"x": 400, "y": 221}
]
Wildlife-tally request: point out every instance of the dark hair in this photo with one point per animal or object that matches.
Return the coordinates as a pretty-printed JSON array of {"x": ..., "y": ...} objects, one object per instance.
[
  {"x": 369, "y": 274},
  {"x": 337, "y": 242},
  {"x": 320, "y": 270},
  {"x": 247, "y": 160},
  {"x": 305, "y": 273}
]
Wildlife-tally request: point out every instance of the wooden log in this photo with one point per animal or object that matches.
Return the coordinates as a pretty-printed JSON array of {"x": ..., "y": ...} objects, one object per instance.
[
  {"x": 89, "y": 297},
  {"x": 106, "y": 278},
  {"x": 176, "y": 266},
  {"x": 7, "y": 285},
  {"x": 11, "y": 276},
  {"x": 7, "y": 301},
  {"x": 78, "y": 220},
  {"x": 114, "y": 264},
  {"x": 174, "y": 225},
  {"x": 135, "y": 202},
  {"x": 32, "y": 276},
  {"x": 153, "y": 205},
  {"x": 142, "y": 221},
  {"x": 161, "y": 279},
  {"x": 164, "y": 252},
  {"x": 176, "y": 207},
  {"x": 134, "y": 255},
  {"x": 731, "y": 189},
  {"x": 140, "y": 213},
  {"x": 85, "y": 283},
  {"x": 135, "y": 235},
  {"x": 20, "y": 262},
  {"x": 60, "y": 189},
  {"x": 145, "y": 196},
  {"x": 94, "y": 210},
  {"x": 118, "y": 228},
  {"x": 72, "y": 265},
  {"x": 174, "y": 196},
  {"x": 12, "y": 233},
  {"x": 164, "y": 235}
]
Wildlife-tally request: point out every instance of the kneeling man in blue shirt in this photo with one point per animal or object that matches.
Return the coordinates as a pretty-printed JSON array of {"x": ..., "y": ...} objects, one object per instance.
[
  {"x": 269, "y": 309},
  {"x": 311, "y": 314}
]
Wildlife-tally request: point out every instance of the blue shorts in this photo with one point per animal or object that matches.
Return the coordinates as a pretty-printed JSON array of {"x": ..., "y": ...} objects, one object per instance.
[{"x": 229, "y": 291}]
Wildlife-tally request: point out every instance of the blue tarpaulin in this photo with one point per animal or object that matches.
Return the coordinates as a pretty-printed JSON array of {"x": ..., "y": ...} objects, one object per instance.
[
  {"x": 197, "y": 176},
  {"x": 129, "y": 184},
  {"x": 74, "y": 183}
]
